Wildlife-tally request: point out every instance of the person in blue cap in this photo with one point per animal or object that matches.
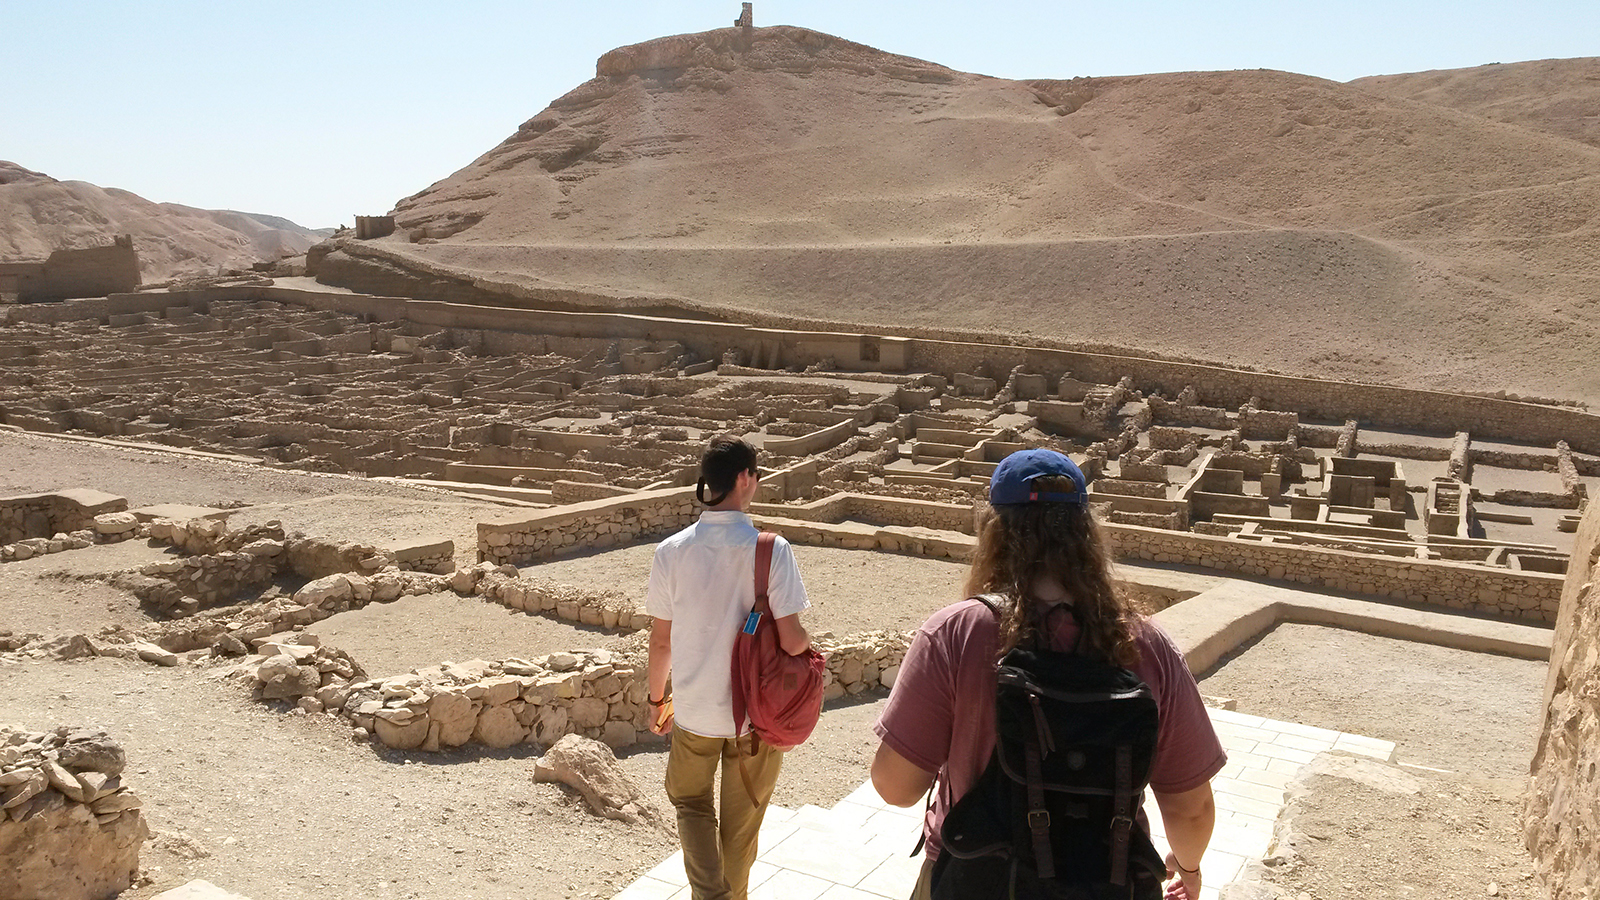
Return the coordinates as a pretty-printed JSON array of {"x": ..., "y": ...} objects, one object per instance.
[{"x": 1040, "y": 549}]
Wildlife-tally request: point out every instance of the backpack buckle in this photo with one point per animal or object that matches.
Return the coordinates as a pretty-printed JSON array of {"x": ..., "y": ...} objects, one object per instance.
[
  {"x": 1038, "y": 819},
  {"x": 1121, "y": 825}
]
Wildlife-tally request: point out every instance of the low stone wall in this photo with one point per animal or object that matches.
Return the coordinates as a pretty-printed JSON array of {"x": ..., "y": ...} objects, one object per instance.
[
  {"x": 426, "y": 556},
  {"x": 71, "y": 830},
  {"x": 1562, "y": 817},
  {"x": 593, "y": 525},
  {"x": 60, "y": 512},
  {"x": 1524, "y": 595},
  {"x": 876, "y": 508},
  {"x": 183, "y": 587}
]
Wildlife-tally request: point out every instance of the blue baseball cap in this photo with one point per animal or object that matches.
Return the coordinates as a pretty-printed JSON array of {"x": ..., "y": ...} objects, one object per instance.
[{"x": 1013, "y": 479}]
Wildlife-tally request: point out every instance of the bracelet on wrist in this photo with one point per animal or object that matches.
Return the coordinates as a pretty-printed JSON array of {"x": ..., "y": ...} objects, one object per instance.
[
  {"x": 654, "y": 702},
  {"x": 1193, "y": 871}
]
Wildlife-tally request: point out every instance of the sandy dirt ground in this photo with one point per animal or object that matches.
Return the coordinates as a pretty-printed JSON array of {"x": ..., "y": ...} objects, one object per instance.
[
  {"x": 1446, "y": 821},
  {"x": 275, "y": 804}
]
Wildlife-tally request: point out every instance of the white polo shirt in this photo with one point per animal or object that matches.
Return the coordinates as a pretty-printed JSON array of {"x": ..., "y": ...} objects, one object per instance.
[{"x": 703, "y": 580}]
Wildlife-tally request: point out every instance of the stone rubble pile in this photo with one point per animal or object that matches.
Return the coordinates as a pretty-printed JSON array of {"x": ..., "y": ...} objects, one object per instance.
[
  {"x": 862, "y": 662},
  {"x": 70, "y": 829},
  {"x": 220, "y": 565},
  {"x": 296, "y": 668},
  {"x": 499, "y": 704}
]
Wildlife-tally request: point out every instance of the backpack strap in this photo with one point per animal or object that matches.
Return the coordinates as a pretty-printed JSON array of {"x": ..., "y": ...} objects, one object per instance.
[
  {"x": 764, "y": 542},
  {"x": 763, "y": 607},
  {"x": 1038, "y": 816},
  {"x": 1122, "y": 815}
]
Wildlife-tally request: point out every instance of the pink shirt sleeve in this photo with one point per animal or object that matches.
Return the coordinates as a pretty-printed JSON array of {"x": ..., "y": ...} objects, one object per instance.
[
  {"x": 918, "y": 719},
  {"x": 1188, "y": 752}
]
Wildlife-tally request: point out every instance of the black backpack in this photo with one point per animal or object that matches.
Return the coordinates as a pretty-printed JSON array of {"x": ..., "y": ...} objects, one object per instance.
[{"x": 1053, "y": 814}]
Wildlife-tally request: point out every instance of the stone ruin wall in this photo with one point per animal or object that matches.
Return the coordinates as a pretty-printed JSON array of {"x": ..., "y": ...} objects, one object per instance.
[
  {"x": 1562, "y": 817},
  {"x": 593, "y": 693},
  {"x": 69, "y": 827},
  {"x": 1530, "y": 596},
  {"x": 90, "y": 272},
  {"x": 43, "y": 516},
  {"x": 1324, "y": 400},
  {"x": 590, "y": 525}
]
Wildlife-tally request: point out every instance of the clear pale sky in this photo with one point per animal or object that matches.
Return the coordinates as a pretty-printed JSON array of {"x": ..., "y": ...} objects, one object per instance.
[{"x": 319, "y": 111}]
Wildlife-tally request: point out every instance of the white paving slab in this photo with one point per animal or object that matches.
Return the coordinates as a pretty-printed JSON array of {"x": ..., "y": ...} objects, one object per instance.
[{"x": 859, "y": 849}]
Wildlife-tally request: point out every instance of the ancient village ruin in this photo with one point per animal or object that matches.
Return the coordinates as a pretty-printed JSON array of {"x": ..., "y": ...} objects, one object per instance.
[{"x": 588, "y": 424}]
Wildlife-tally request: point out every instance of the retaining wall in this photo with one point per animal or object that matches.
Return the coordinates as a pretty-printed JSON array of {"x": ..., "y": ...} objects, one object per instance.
[{"x": 1562, "y": 823}]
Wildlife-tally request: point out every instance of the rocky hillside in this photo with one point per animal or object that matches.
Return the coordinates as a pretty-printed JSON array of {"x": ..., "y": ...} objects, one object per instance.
[
  {"x": 1255, "y": 218},
  {"x": 39, "y": 214}
]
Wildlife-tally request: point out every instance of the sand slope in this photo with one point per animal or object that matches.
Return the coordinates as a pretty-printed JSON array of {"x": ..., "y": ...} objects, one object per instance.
[
  {"x": 39, "y": 214},
  {"x": 1557, "y": 96},
  {"x": 1259, "y": 218}
]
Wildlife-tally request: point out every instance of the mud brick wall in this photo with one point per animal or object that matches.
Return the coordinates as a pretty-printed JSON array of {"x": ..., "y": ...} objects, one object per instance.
[
  {"x": 91, "y": 272},
  {"x": 587, "y": 526},
  {"x": 1267, "y": 424},
  {"x": 1523, "y": 595},
  {"x": 1164, "y": 412},
  {"x": 1562, "y": 823}
]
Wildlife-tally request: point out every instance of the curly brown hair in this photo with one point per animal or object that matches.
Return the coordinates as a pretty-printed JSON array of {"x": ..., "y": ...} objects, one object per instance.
[{"x": 1020, "y": 545}]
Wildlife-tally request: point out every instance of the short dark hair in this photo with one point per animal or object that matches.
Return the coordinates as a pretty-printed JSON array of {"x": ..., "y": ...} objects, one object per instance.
[{"x": 725, "y": 457}]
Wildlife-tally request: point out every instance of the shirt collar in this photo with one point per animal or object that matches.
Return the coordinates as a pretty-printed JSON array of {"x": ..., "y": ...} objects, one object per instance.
[{"x": 725, "y": 517}]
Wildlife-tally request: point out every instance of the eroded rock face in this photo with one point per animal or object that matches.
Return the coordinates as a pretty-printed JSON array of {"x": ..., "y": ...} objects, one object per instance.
[
  {"x": 1562, "y": 825},
  {"x": 69, "y": 829}
]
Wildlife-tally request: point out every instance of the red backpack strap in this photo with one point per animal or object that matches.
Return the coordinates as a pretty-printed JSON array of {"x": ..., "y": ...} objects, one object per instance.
[
  {"x": 741, "y": 703},
  {"x": 764, "y": 542}
]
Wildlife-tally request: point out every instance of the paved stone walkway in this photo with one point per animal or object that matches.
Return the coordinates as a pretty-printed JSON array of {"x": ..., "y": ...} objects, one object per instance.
[{"x": 858, "y": 850}]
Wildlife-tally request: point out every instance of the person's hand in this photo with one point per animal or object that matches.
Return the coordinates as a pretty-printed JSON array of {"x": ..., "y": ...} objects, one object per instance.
[
  {"x": 1185, "y": 885},
  {"x": 661, "y": 716}
]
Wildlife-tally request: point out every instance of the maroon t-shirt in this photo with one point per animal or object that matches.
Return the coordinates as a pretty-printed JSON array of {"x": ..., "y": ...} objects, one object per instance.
[{"x": 940, "y": 715}]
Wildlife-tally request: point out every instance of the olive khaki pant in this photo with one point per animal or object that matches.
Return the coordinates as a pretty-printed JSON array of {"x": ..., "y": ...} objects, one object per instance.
[{"x": 717, "y": 855}]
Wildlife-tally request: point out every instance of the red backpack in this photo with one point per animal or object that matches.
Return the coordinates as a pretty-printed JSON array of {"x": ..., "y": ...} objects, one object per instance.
[{"x": 782, "y": 694}]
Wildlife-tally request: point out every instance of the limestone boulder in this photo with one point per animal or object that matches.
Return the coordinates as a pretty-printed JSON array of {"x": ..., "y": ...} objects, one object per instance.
[
  {"x": 199, "y": 889},
  {"x": 83, "y": 750},
  {"x": 115, "y": 523},
  {"x": 407, "y": 736},
  {"x": 590, "y": 768},
  {"x": 498, "y": 727},
  {"x": 62, "y": 853},
  {"x": 324, "y": 591},
  {"x": 589, "y": 712}
]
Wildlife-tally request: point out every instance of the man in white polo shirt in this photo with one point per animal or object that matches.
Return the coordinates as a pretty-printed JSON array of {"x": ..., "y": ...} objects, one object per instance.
[{"x": 702, "y": 586}]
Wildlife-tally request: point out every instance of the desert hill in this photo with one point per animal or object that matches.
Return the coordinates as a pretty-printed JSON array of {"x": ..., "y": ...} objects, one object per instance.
[
  {"x": 1256, "y": 218},
  {"x": 39, "y": 214},
  {"x": 1558, "y": 96}
]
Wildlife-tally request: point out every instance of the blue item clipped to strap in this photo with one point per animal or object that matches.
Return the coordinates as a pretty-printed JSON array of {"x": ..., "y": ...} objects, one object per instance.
[{"x": 751, "y": 622}]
